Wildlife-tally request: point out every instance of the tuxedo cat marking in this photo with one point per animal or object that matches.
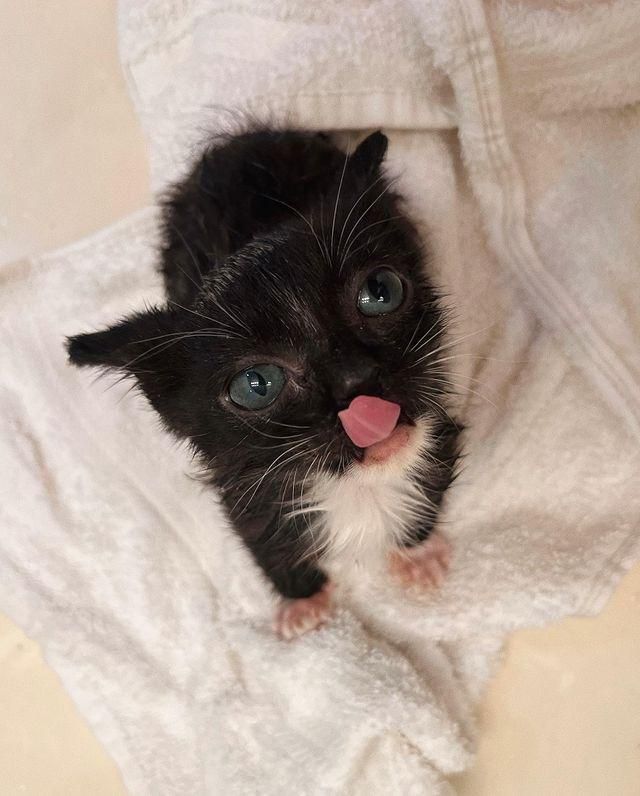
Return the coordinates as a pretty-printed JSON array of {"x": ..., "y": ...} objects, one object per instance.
[{"x": 299, "y": 352}]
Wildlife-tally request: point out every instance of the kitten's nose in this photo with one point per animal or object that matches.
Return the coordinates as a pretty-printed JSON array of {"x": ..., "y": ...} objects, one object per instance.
[{"x": 358, "y": 376}]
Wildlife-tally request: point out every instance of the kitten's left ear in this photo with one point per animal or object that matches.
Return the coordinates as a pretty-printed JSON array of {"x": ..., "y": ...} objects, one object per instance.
[{"x": 370, "y": 153}]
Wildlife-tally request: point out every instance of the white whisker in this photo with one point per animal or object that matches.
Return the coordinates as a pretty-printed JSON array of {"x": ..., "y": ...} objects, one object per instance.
[
  {"x": 275, "y": 465},
  {"x": 353, "y": 207},
  {"x": 185, "y": 243},
  {"x": 421, "y": 343},
  {"x": 363, "y": 214},
  {"x": 366, "y": 229},
  {"x": 456, "y": 341},
  {"x": 335, "y": 207},
  {"x": 160, "y": 347},
  {"x": 303, "y": 218}
]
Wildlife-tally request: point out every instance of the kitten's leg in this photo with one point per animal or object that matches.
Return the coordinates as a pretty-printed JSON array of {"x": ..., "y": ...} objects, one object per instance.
[
  {"x": 295, "y": 617},
  {"x": 306, "y": 594},
  {"x": 422, "y": 566},
  {"x": 423, "y": 563},
  {"x": 305, "y": 589}
]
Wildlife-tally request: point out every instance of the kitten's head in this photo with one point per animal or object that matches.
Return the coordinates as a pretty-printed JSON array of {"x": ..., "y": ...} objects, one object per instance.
[{"x": 330, "y": 303}]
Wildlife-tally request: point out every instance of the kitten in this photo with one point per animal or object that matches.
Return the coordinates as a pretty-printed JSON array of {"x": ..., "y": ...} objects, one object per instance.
[{"x": 298, "y": 354}]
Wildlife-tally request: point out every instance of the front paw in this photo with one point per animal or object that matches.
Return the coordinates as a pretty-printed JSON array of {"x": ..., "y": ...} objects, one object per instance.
[
  {"x": 296, "y": 617},
  {"x": 424, "y": 566}
]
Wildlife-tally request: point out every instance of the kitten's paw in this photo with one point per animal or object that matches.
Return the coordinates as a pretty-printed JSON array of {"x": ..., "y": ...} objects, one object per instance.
[
  {"x": 296, "y": 617},
  {"x": 424, "y": 566}
]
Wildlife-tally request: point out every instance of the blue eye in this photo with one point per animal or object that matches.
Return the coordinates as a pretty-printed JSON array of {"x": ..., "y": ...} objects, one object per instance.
[
  {"x": 257, "y": 386},
  {"x": 381, "y": 292}
]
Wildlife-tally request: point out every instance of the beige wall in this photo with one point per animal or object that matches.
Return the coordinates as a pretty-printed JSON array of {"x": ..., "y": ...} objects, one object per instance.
[{"x": 71, "y": 154}]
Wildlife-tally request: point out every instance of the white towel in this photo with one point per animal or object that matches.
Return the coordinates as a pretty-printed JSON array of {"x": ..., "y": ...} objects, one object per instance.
[{"x": 152, "y": 614}]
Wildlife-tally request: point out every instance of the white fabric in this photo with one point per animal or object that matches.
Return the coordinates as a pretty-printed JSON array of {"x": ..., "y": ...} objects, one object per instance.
[{"x": 147, "y": 607}]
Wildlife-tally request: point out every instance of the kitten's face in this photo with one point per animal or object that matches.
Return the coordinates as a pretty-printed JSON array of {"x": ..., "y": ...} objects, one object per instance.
[
  {"x": 285, "y": 334},
  {"x": 306, "y": 333}
]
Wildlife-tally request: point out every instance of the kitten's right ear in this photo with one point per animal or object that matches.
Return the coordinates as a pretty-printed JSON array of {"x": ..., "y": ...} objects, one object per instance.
[
  {"x": 149, "y": 346},
  {"x": 131, "y": 345}
]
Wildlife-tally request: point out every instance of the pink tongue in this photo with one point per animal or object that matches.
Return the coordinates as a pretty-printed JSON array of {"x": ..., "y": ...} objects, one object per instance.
[{"x": 369, "y": 420}]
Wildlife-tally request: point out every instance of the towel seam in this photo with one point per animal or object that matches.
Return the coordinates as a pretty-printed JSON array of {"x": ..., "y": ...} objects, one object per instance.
[{"x": 532, "y": 273}]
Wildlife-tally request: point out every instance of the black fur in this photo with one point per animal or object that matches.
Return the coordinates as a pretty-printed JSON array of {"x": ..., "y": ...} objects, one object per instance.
[{"x": 266, "y": 244}]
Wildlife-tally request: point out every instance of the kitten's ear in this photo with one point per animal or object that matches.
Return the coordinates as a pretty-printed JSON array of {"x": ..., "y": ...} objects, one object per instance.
[
  {"x": 370, "y": 153},
  {"x": 131, "y": 345},
  {"x": 150, "y": 347}
]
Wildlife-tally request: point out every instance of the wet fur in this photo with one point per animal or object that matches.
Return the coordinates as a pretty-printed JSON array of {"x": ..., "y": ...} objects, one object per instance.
[{"x": 266, "y": 243}]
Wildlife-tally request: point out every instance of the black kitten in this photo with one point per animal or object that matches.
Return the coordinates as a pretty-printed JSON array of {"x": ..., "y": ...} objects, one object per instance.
[{"x": 296, "y": 284}]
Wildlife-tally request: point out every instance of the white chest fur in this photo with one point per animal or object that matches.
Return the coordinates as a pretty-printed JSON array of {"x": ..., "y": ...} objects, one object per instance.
[{"x": 370, "y": 509}]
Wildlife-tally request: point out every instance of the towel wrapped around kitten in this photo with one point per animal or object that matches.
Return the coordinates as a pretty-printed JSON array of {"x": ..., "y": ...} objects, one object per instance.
[{"x": 301, "y": 353}]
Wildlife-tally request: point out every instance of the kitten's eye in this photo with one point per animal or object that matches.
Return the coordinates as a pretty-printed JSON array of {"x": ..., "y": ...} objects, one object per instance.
[
  {"x": 382, "y": 292},
  {"x": 257, "y": 386}
]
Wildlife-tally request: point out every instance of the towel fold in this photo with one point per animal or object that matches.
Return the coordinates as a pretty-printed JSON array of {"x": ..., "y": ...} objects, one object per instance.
[{"x": 515, "y": 135}]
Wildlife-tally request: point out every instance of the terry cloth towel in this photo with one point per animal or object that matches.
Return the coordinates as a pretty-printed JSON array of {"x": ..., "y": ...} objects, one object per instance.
[{"x": 515, "y": 134}]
